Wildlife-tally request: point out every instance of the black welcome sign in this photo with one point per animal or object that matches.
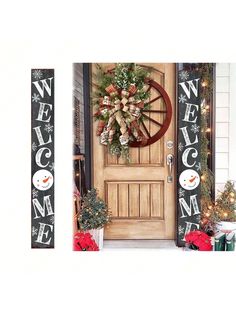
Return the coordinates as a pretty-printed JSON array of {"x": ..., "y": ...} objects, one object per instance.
[
  {"x": 189, "y": 161},
  {"x": 42, "y": 158}
]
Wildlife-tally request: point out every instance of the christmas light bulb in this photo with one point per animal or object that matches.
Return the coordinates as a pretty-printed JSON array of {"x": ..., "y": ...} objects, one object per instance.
[
  {"x": 231, "y": 200},
  {"x": 225, "y": 214},
  {"x": 231, "y": 194},
  {"x": 208, "y": 130},
  {"x": 207, "y": 107},
  {"x": 204, "y": 84}
]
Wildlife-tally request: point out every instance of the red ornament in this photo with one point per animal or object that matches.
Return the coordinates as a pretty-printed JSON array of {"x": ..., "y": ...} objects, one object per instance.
[
  {"x": 199, "y": 239},
  {"x": 83, "y": 241}
]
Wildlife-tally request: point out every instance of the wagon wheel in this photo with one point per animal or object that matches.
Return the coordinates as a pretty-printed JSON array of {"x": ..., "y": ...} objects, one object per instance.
[{"x": 166, "y": 112}]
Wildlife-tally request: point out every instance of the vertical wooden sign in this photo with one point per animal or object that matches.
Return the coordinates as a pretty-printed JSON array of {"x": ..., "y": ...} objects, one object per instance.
[
  {"x": 189, "y": 144},
  {"x": 42, "y": 158}
]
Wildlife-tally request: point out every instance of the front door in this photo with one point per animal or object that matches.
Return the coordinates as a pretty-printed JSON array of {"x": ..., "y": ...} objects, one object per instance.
[{"x": 138, "y": 194}]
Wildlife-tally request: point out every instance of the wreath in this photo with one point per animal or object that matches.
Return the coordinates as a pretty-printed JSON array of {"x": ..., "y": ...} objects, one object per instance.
[{"x": 120, "y": 96}]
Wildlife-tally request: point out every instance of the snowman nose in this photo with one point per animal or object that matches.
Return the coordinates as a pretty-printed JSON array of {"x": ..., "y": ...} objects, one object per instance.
[
  {"x": 191, "y": 180},
  {"x": 46, "y": 180}
]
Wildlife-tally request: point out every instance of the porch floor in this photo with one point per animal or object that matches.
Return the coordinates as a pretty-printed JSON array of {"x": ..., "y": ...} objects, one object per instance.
[{"x": 140, "y": 244}]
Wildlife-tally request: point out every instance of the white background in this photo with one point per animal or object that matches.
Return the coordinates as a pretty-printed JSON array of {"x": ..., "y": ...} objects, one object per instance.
[{"x": 55, "y": 34}]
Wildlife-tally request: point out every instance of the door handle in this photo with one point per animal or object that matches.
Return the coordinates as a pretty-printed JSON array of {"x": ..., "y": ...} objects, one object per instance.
[{"x": 170, "y": 163}]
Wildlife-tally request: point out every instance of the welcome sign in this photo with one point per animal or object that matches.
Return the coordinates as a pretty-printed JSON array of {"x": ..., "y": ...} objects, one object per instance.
[
  {"x": 189, "y": 162},
  {"x": 42, "y": 158}
]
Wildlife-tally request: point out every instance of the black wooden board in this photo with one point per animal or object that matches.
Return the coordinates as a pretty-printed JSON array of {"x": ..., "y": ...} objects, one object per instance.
[
  {"x": 189, "y": 151},
  {"x": 42, "y": 158}
]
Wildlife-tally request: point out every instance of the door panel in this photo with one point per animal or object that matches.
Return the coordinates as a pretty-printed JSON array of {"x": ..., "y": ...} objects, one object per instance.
[{"x": 141, "y": 200}]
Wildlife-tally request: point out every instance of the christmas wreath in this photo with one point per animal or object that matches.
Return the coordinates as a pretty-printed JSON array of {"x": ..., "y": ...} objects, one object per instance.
[{"x": 120, "y": 96}]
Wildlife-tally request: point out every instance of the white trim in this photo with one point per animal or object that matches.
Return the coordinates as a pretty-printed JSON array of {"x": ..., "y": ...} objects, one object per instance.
[{"x": 232, "y": 123}]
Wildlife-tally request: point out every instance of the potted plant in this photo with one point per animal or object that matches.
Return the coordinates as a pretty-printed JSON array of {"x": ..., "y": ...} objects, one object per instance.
[
  {"x": 225, "y": 209},
  {"x": 198, "y": 240},
  {"x": 93, "y": 216}
]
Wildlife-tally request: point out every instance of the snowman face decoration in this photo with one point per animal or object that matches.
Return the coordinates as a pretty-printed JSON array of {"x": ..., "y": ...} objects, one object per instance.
[
  {"x": 189, "y": 179},
  {"x": 43, "y": 180}
]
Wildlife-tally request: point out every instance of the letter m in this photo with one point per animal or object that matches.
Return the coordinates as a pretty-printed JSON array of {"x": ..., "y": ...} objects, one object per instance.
[
  {"x": 41, "y": 209},
  {"x": 188, "y": 209}
]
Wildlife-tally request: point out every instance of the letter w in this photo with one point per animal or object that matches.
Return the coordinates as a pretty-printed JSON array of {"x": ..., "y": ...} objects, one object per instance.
[
  {"x": 45, "y": 86},
  {"x": 190, "y": 87}
]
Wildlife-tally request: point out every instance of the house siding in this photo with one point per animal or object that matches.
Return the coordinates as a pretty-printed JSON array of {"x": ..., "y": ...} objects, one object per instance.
[{"x": 225, "y": 124}]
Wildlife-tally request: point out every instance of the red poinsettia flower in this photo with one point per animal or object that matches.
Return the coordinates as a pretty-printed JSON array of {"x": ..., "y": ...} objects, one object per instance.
[
  {"x": 83, "y": 241},
  {"x": 199, "y": 240}
]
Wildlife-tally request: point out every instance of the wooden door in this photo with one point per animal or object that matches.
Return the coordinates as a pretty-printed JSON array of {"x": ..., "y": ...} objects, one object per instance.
[{"x": 141, "y": 200}]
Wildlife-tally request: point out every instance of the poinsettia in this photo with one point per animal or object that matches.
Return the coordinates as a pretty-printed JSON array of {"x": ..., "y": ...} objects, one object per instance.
[
  {"x": 83, "y": 241},
  {"x": 198, "y": 240}
]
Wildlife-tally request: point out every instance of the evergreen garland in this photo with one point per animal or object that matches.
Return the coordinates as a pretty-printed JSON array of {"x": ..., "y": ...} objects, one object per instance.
[{"x": 225, "y": 206}]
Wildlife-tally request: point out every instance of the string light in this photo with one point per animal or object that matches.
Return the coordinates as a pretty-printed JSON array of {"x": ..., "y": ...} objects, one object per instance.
[
  {"x": 225, "y": 214},
  {"x": 77, "y": 174},
  {"x": 231, "y": 200},
  {"x": 203, "y": 178},
  {"x": 208, "y": 130},
  {"x": 231, "y": 194},
  {"x": 204, "y": 83},
  {"x": 207, "y": 107}
]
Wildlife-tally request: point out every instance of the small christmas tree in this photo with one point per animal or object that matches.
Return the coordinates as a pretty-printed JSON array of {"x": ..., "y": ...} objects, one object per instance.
[
  {"x": 225, "y": 205},
  {"x": 94, "y": 213}
]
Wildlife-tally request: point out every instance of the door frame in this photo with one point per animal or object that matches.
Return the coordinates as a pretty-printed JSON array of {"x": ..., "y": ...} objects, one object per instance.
[{"x": 88, "y": 120}]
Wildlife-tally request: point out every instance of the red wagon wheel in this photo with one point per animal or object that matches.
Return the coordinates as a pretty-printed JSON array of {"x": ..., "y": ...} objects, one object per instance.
[{"x": 166, "y": 112}]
